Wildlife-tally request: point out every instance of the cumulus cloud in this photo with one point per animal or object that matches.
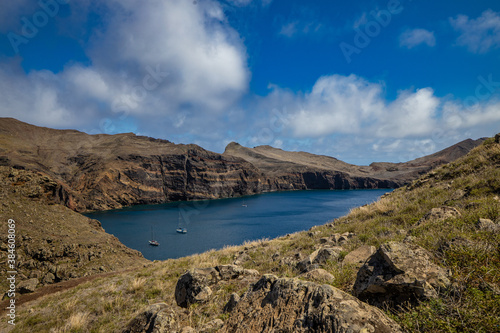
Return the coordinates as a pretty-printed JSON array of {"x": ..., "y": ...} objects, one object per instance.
[
  {"x": 415, "y": 37},
  {"x": 415, "y": 123},
  {"x": 350, "y": 104},
  {"x": 334, "y": 105},
  {"x": 478, "y": 35},
  {"x": 150, "y": 59}
]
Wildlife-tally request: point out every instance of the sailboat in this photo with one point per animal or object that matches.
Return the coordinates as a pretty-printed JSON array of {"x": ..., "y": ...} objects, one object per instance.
[
  {"x": 180, "y": 229},
  {"x": 152, "y": 241}
]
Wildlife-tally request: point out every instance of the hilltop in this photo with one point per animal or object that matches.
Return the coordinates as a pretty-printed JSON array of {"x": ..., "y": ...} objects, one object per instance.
[
  {"x": 101, "y": 172},
  {"x": 301, "y": 170},
  {"x": 425, "y": 257}
]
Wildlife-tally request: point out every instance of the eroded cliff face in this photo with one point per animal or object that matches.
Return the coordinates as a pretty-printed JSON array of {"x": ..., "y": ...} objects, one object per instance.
[
  {"x": 130, "y": 179},
  {"x": 100, "y": 172}
]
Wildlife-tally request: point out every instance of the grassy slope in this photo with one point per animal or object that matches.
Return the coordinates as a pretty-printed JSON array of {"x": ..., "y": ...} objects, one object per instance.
[{"x": 471, "y": 184}]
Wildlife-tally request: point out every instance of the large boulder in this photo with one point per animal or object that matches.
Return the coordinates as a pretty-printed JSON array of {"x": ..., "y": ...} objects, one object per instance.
[
  {"x": 292, "y": 305},
  {"x": 194, "y": 282},
  {"x": 194, "y": 285},
  {"x": 157, "y": 318},
  {"x": 399, "y": 273}
]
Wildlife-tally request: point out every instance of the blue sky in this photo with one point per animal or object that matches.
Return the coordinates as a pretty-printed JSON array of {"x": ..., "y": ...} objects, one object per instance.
[{"x": 361, "y": 81}]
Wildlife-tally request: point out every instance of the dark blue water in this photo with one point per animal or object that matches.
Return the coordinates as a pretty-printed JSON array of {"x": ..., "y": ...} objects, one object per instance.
[{"x": 215, "y": 223}]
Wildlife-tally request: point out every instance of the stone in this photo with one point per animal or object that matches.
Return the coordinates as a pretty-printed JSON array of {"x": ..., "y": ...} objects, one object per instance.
[
  {"x": 194, "y": 285},
  {"x": 359, "y": 256},
  {"x": 157, "y": 318},
  {"x": 318, "y": 275},
  {"x": 324, "y": 240},
  {"x": 233, "y": 300},
  {"x": 439, "y": 214},
  {"x": 292, "y": 305},
  {"x": 203, "y": 296},
  {"x": 319, "y": 257},
  {"x": 27, "y": 286},
  {"x": 242, "y": 258},
  {"x": 193, "y": 282},
  {"x": 48, "y": 278},
  {"x": 487, "y": 225},
  {"x": 212, "y": 326},
  {"x": 497, "y": 138},
  {"x": 251, "y": 272},
  {"x": 398, "y": 273},
  {"x": 228, "y": 272},
  {"x": 187, "y": 329}
]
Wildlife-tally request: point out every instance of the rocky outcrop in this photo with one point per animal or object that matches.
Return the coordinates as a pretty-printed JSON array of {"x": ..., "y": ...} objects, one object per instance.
[
  {"x": 194, "y": 285},
  {"x": 292, "y": 305},
  {"x": 399, "y": 273},
  {"x": 53, "y": 243}
]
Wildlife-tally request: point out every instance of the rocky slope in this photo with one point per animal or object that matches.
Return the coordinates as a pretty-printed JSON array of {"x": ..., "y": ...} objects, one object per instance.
[
  {"x": 300, "y": 170},
  {"x": 423, "y": 258},
  {"x": 100, "y": 172},
  {"x": 53, "y": 243}
]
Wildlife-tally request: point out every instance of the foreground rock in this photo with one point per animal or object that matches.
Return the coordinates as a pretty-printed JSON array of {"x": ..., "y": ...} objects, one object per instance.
[
  {"x": 399, "y": 273},
  {"x": 194, "y": 285},
  {"x": 292, "y": 305},
  {"x": 156, "y": 318}
]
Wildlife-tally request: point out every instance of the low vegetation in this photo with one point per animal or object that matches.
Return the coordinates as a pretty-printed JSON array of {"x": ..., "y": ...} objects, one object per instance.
[{"x": 471, "y": 185}]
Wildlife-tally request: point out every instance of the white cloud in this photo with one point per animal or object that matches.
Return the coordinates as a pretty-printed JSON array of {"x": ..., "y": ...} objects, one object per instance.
[
  {"x": 153, "y": 59},
  {"x": 353, "y": 105},
  {"x": 478, "y": 35},
  {"x": 334, "y": 105},
  {"x": 289, "y": 29},
  {"x": 415, "y": 37}
]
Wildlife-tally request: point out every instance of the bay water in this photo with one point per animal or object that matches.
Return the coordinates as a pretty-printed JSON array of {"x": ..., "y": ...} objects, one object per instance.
[{"x": 213, "y": 224}]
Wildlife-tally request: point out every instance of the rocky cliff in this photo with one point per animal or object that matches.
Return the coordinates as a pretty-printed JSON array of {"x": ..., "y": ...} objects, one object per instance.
[
  {"x": 286, "y": 170},
  {"x": 100, "y": 172}
]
